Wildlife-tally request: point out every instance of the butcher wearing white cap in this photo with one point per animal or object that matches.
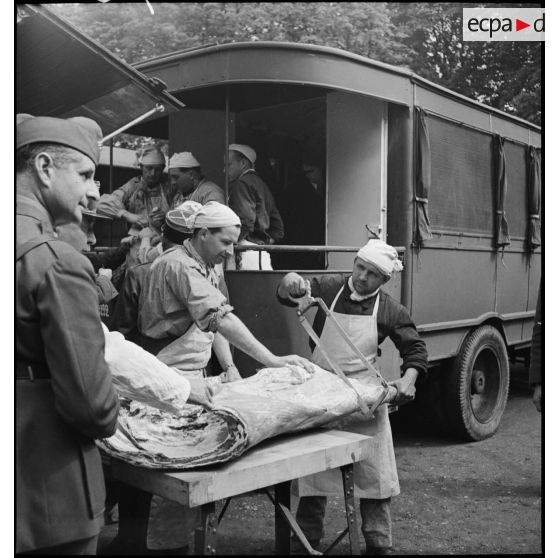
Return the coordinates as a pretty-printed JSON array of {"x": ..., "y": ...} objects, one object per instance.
[
  {"x": 252, "y": 200},
  {"x": 369, "y": 315},
  {"x": 189, "y": 182},
  {"x": 183, "y": 314},
  {"x": 192, "y": 301}
]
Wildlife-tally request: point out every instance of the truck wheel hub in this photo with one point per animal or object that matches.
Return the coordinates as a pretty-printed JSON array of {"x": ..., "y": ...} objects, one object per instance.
[{"x": 479, "y": 381}]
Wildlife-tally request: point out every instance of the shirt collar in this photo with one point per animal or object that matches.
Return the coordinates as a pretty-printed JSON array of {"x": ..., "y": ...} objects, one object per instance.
[
  {"x": 358, "y": 297},
  {"x": 191, "y": 251},
  {"x": 246, "y": 172},
  {"x": 157, "y": 190}
]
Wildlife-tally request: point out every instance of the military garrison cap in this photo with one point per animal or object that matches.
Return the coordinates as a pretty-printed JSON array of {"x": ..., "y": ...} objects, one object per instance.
[{"x": 80, "y": 133}]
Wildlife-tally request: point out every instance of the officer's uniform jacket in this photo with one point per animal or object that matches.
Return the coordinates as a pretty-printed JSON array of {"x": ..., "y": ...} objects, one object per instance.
[{"x": 64, "y": 392}]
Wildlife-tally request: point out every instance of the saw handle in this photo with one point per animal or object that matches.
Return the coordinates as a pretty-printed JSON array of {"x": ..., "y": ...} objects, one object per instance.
[
  {"x": 305, "y": 301},
  {"x": 307, "y": 292}
]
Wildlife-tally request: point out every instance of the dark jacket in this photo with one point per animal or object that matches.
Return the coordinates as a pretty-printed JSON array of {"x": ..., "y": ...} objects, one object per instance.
[
  {"x": 109, "y": 259},
  {"x": 393, "y": 318},
  {"x": 59, "y": 481},
  {"x": 253, "y": 202},
  {"x": 125, "y": 315}
]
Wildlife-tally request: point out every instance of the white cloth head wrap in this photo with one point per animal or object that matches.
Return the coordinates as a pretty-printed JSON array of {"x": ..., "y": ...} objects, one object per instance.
[
  {"x": 177, "y": 218},
  {"x": 245, "y": 150},
  {"x": 382, "y": 255},
  {"x": 151, "y": 155},
  {"x": 183, "y": 160},
  {"x": 213, "y": 215}
]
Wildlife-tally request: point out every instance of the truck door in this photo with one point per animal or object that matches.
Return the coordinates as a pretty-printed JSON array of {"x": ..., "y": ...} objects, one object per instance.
[{"x": 356, "y": 172}]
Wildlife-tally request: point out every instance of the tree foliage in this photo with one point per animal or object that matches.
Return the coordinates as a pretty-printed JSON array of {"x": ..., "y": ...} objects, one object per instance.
[{"x": 425, "y": 37}]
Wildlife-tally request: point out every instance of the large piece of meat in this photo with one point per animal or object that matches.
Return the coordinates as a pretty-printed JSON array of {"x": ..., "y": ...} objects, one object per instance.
[{"x": 274, "y": 401}]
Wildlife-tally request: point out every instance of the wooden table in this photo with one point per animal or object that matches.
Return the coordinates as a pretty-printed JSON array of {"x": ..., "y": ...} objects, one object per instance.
[{"x": 273, "y": 463}]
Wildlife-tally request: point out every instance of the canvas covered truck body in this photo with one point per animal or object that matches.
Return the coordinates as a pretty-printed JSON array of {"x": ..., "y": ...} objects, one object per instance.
[{"x": 352, "y": 148}]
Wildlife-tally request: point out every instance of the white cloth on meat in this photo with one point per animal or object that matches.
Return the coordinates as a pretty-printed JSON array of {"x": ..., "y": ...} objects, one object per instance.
[{"x": 140, "y": 376}]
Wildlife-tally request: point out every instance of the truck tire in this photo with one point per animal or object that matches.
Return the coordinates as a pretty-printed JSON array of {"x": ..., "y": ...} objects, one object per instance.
[{"x": 477, "y": 385}]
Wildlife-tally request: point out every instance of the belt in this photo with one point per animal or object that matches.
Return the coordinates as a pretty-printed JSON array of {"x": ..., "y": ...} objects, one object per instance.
[
  {"x": 31, "y": 371},
  {"x": 152, "y": 345}
]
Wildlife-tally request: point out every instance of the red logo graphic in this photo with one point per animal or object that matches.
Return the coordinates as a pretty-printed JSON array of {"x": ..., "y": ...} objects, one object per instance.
[{"x": 519, "y": 25}]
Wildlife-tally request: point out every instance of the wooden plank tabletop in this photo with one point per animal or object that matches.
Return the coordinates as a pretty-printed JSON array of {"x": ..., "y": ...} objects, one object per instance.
[{"x": 280, "y": 459}]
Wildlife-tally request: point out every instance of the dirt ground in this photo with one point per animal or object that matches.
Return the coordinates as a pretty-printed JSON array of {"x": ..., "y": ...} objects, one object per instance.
[{"x": 456, "y": 498}]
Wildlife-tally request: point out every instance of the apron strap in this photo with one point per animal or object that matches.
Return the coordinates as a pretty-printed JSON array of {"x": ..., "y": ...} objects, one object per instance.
[
  {"x": 337, "y": 297},
  {"x": 376, "y": 304}
]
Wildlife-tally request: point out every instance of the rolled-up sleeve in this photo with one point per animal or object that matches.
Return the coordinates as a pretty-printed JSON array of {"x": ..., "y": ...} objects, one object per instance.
[
  {"x": 111, "y": 204},
  {"x": 207, "y": 305}
]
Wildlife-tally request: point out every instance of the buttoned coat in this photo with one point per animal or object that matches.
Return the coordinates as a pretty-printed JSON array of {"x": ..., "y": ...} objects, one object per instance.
[{"x": 60, "y": 489}]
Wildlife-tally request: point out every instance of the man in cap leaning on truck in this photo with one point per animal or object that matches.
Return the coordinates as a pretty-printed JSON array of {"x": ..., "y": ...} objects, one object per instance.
[
  {"x": 368, "y": 315},
  {"x": 64, "y": 394},
  {"x": 252, "y": 200},
  {"x": 142, "y": 202}
]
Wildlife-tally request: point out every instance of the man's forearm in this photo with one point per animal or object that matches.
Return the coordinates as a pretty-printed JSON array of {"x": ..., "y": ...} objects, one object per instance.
[
  {"x": 222, "y": 351},
  {"x": 411, "y": 374},
  {"x": 240, "y": 336}
]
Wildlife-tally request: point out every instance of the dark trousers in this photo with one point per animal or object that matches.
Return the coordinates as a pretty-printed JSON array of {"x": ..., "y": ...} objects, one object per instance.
[
  {"x": 133, "y": 518},
  {"x": 375, "y": 514}
]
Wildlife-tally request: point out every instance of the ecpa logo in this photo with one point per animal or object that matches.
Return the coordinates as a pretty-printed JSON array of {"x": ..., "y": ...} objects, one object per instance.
[{"x": 503, "y": 24}]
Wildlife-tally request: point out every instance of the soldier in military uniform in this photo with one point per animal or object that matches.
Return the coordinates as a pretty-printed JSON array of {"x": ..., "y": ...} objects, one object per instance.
[{"x": 64, "y": 392}]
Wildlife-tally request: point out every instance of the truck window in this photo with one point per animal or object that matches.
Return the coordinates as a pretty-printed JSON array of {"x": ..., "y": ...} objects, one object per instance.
[{"x": 461, "y": 196}]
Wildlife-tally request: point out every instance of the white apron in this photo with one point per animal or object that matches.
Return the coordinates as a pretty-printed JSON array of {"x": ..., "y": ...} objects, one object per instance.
[
  {"x": 375, "y": 477},
  {"x": 170, "y": 523},
  {"x": 190, "y": 353}
]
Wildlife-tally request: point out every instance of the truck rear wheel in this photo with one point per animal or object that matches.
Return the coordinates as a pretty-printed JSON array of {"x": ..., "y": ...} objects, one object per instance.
[{"x": 477, "y": 385}]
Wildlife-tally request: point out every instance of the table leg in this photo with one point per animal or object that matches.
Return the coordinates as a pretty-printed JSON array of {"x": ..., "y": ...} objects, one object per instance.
[
  {"x": 349, "y": 492},
  {"x": 282, "y": 529},
  {"x": 206, "y": 533}
]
